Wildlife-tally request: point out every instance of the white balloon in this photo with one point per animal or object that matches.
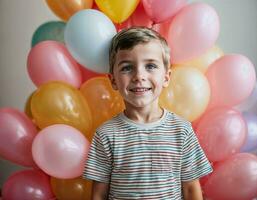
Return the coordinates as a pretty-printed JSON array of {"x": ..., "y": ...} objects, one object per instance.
[{"x": 88, "y": 36}]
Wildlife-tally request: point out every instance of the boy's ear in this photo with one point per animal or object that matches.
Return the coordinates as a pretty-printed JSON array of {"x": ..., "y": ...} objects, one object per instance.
[
  {"x": 167, "y": 78},
  {"x": 113, "y": 82}
]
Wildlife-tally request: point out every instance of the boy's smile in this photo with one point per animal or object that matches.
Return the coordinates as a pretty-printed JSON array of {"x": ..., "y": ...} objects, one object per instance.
[{"x": 140, "y": 75}]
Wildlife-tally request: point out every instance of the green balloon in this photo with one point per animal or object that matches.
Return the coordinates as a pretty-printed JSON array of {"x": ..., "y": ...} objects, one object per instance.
[{"x": 53, "y": 30}]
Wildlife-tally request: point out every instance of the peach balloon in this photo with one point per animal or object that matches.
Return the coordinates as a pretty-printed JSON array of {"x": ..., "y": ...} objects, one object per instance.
[
  {"x": 221, "y": 133},
  {"x": 60, "y": 151},
  {"x": 205, "y": 60},
  {"x": 103, "y": 101},
  {"x": 187, "y": 94},
  {"x": 60, "y": 103},
  {"x": 66, "y": 8},
  {"x": 192, "y": 32},
  {"x": 67, "y": 189},
  {"x": 232, "y": 79}
]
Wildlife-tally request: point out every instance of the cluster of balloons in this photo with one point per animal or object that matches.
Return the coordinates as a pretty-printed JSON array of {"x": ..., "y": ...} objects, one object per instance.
[{"x": 68, "y": 62}]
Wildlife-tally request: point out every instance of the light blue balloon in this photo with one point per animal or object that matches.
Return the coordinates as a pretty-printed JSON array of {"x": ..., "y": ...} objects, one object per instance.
[{"x": 88, "y": 36}]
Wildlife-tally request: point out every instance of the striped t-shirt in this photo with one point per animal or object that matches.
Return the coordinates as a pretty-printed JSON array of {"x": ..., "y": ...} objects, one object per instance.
[{"x": 146, "y": 161}]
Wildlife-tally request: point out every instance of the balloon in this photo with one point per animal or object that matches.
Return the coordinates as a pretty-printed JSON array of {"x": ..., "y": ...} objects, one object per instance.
[
  {"x": 163, "y": 28},
  {"x": 251, "y": 136},
  {"x": 88, "y": 37},
  {"x": 66, "y": 8},
  {"x": 16, "y": 135},
  {"x": 27, "y": 109},
  {"x": 221, "y": 133},
  {"x": 232, "y": 79},
  {"x": 118, "y": 11},
  {"x": 68, "y": 189},
  {"x": 234, "y": 178},
  {"x": 205, "y": 60},
  {"x": 138, "y": 18},
  {"x": 60, "y": 151},
  {"x": 192, "y": 32},
  {"x": 60, "y": 103},
  {"x": 162, "y": 10},
  {"x": 27, "y": 185},
  {"x": 187, "y": 94},
  {"x": 50, "y": 61},
  {"x": 88, "y": 74},
  {"x": 103, "y": 101},
  {"x": 250, "y": 104},
  {"x": 53, "y": 30}
]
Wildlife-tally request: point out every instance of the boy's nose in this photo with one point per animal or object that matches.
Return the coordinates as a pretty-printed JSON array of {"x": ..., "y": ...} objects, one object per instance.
[{"x": 138, "y": 75}]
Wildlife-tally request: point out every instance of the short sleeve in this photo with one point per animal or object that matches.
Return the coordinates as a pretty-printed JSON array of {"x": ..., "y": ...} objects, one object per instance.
[
  {"x": 194, "y": 162},
  {"x": 98, "y": 165}
]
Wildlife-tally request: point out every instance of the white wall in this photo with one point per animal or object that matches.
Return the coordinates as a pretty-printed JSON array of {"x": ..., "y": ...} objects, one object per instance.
[{"x": 19, "y": 19}]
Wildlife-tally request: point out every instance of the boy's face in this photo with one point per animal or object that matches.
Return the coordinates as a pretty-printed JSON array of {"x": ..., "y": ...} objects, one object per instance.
[{"x": 140, "y": 75}]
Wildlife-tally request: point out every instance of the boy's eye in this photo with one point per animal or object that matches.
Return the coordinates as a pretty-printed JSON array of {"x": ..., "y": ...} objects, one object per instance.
[
  {"x": 126, "y": 68},
  {"x": 151, "y": 66}
]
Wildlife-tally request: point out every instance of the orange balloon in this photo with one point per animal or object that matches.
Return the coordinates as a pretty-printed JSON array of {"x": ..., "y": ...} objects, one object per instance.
[
  {"x": 118, "y": 11},
  {"x": 66, "y": 8},
  {"x": 71, "y": 189},
  {"x": 103, "y": 101},
  {"x": 60, "y": 103},
  {"x": 188, "y": 93},
  {"x": 27, "y": 108}
]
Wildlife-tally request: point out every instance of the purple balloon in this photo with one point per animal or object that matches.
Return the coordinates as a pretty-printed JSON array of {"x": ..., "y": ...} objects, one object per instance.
[
  {"x": 250, "y": 104},
  {"x": 28, "y": 185},
  {"x": 251, "y": 136}
]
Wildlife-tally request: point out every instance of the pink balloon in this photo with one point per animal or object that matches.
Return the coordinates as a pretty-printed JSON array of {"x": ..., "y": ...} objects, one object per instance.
[
  {"x": 87, "y": 74},
  {"x": 51, "y": 61},
  {"x": 28, "y": 185},
  {"x": 232, "y": 79},
  {"x": 221, "y": 133},
  {"x": 162, "y": 10},
  {"x": 17, "y": 132},
  {"x": 192, "y": 32},
  {"x": 138, "y": 18},
  {"x": 234, "y": 178},
  {"x": 163, "y": 28},
  {"x": 60, "y": 151}
]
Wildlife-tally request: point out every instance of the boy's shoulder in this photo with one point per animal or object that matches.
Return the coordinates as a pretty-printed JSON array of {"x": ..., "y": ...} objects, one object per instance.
[
  {"x": 110, "y": 124},
  {"x": 177, "y": 118}
]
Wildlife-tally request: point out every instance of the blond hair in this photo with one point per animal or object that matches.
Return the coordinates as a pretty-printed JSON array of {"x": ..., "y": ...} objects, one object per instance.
[{"x": 128, "y": 38}]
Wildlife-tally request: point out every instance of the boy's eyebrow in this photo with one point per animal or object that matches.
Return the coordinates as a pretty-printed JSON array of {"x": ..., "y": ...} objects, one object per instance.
[
  {"x": 145, "y": 60},
  {"x": 124, "y": 61}
]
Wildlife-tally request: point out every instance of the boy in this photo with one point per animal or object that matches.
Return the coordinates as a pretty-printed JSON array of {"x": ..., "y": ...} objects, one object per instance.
[{"x": 146, "y": 152}]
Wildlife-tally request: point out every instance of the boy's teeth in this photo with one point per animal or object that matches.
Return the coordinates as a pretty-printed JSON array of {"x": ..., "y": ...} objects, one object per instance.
[{"x": 140, "y": 89}]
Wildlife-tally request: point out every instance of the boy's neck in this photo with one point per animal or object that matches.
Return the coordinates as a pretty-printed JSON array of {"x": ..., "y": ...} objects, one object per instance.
[{"x": 144, "y": 115}]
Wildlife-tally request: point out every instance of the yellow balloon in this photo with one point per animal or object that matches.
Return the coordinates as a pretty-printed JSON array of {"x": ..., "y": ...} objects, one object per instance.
[
  {"x": 66, "y": 8},
  {"x": 188, "y": 93},
  {"x": 60, "y": 103},
  {"x": 205, "y": 60},
  {"x": 27, "y": 108},
  {"x": 71, "y": 189},
  {"x": 103, "y": 101},
  {"x": 117, "y": 10}
]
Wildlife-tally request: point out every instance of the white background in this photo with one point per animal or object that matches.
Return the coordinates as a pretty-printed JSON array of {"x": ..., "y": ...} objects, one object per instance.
[{"x": 19, "y": 19}]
